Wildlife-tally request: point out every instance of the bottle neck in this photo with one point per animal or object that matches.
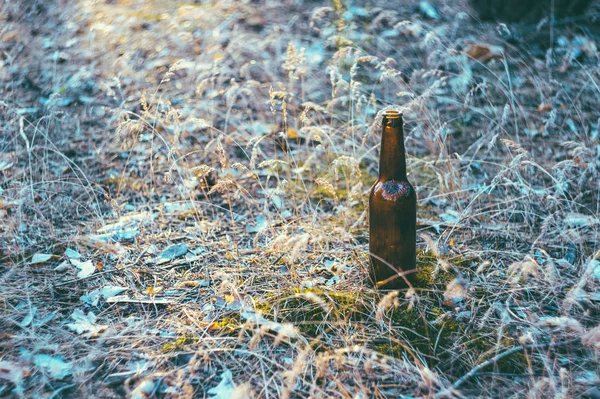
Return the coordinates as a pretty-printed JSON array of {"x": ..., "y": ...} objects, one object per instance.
[{"x": 392, "y": 160}]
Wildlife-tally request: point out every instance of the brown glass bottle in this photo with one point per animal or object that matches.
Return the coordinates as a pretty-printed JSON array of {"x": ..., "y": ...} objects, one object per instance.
[{"x": 392, "y": 212}]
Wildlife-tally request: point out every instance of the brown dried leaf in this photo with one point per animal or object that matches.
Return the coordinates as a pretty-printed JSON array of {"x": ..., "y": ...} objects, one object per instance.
[{"x": 484, "y": 52}]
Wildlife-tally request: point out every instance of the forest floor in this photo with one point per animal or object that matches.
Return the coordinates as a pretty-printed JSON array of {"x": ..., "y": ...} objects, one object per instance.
[{"x": 184, "y": 191}]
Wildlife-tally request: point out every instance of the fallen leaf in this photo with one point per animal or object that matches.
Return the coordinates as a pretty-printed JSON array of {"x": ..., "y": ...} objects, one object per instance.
[
  {"x": 174, "y": 251},
  {"x": 106, "y": 292},
  {"x": 292, "y": 134},
  {"x": 484, "y": 52},
  {"x": 259, "y": 320},
  {"x": 56, "y": 367},
  {"x": 592, "y": 338},
  {"x": 86, "y": 268},
  {"x": 450, "y": 216},
  {"x": 277, "y": 201},
  {"x": 193, "y": 283},
  {"x": 63, "y": 267},
  {"x": 523, "y": 270},
  {"x": 580, "y": 220},
  {"x": 428, "y": 10},
  {"x": 144, "y": 389},
  {"x": 13, "y": 372},
  {"x": 153, "y": 290},
  {"x": 230, "y": 256},
  {"x": 41, "y": 258},
  {"x": 28, "y": 318},
  {"x": 544, "y": 107},
  {"x": 72, "y": 254},
  {"x": 5, "y": 165},
  {"x": 85, "y": 323},
  {"x": 225, "y": 388},
  {"x": 260, "y": 225},
  {"x": 455, "y": 293}
]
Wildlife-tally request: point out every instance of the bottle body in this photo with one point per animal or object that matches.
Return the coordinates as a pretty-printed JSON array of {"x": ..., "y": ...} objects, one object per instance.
[{"x": 392, "y": 213}]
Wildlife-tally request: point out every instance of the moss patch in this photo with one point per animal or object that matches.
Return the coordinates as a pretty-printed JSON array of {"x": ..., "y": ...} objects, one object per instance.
[
  {"x": 227, "y": 325},
  {"x": 179, "y": 343},
  {"x": 426, "y": 329}
]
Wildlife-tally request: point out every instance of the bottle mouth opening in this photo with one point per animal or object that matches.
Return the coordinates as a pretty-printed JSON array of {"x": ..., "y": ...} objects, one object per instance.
[{"x": 392, "y": 114}]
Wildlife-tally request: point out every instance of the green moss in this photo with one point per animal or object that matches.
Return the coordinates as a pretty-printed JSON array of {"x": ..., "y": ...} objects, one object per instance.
[
  {"x": 322, "y": 192},
  {"x": 125, "y": 182},
  {"x": 179, "y": 343},
  {"x": 427, "y": 329},
  {"x": 389, "y": 348},
  {"x": 444, "y": 336},
  {"x": 429, "y": 275},
  {"x": 447, "y": 342},
  {"x": 224, "y": 326},
  {"x": 316, "y": 311},
  {"x": 227, "y": 325}
]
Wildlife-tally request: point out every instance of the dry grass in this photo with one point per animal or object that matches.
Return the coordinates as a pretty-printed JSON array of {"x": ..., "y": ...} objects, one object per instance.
[{"x": 249, "y": 133}]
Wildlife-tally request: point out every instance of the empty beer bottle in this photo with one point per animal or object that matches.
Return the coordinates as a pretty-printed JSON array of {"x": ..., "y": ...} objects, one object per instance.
[{"x": 392, "y": 212}]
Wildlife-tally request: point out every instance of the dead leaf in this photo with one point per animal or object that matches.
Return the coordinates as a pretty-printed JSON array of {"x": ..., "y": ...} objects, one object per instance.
[
  {"x": 544, "y": 107},
  {"x": 56, "y": 367},
  {"x": 29, "y": 317},
  {"x": 174, "y": 251},
  {"x": 41, "y": 258},
  {"x": 72, "y": 254},
  {"x": 153, "y": 290},
  {"x": 144, "y": 389},
  {"x": 523, "y": 270},
  {"x": 261, "y": 224},
  {"x": 455, "y": 293},
  {"x": 13, "y": 372},
  {"x": 292, "y": 134},
  {"x": 592, "y": 338},
  {"x": 105, "y": 292},
  {"x": 193, "y": 284},
  {"x": 225, "y": 388},
  {"x": 259, "y": 320},
  {"x": 5, "y": 165},
  {"x": 580, "y": 220},
  {"x": 63, "y": 267},
  {"x": 86, "y": 268},
  {"x": 484, "y": 52},
  {"x": 85, "y": 324},
  {"x": 563, "y": 323}
]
